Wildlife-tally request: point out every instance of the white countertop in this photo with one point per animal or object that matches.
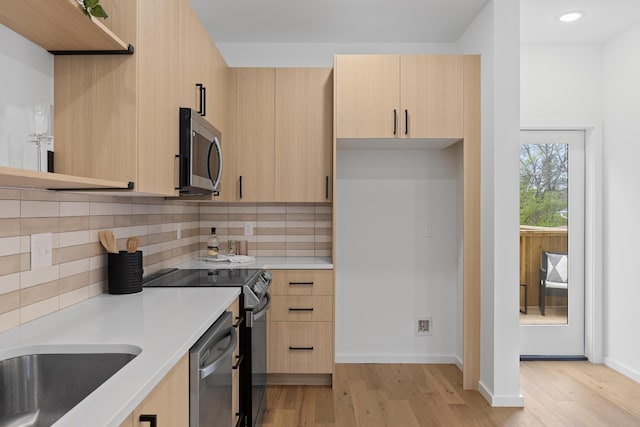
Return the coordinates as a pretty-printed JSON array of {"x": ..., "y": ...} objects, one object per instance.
[
  {"x": 268, "y": 263},
  {"x": 163, "y": 322}
]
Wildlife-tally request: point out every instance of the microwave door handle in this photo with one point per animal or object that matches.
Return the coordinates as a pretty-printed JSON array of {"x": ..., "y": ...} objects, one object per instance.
[
  {"x": 215, "y": 182},
  {"x": 211, "y": 367},
  {"x": 208, "y": 162}
]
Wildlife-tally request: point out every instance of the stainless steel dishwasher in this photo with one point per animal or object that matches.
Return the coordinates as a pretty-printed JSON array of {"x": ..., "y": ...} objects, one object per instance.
[{"x": 210, "y": 375}]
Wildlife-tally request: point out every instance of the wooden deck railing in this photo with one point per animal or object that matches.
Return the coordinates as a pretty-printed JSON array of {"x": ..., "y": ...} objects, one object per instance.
[{"x": 533, "y": 241}]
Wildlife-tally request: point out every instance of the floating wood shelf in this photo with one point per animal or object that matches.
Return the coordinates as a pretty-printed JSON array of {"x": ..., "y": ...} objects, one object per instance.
[
  {"x": 22, "y": 178},
  {"x": 60, "y": 26}
]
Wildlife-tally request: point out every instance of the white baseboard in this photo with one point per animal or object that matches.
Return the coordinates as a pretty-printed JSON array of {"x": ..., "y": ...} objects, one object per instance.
[
  {"x": 459, "y": 364},
  {"x": 623, "y": 369},
  {"x": 394, "y": 358},
  {"x": 500, "y": 401}
]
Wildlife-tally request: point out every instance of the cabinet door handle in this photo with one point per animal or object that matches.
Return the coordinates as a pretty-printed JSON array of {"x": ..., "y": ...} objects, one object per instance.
[
  {"x": 204, "y": 102},
  {"x": 201, "y": 96},
  {"x": 406, "y": 122},
  {"x": 326, "y": 187},
  {"x": 300, "y": 309},
  {"x": 301, "y": 348},
  {"x": 151, "y": 419},
  {"x": 179, "y": 159},
  {"x": 300, "y": 283},
  {"x": 241, "y": 186},
  {"x": 239, "y": 362},
  {"x": 395, "y": 122}
]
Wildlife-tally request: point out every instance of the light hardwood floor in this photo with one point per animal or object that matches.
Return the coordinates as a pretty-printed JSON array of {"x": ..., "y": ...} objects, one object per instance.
[
  {"x": 553, "y": 316},
  {"x": 371, "y": 395}
]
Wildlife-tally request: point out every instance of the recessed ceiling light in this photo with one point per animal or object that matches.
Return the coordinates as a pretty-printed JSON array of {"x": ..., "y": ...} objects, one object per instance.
[{"x": 570, "y": 17}]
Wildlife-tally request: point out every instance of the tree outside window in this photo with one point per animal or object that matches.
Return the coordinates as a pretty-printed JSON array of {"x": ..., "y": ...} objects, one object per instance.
[{"x": 544, "y": 179}]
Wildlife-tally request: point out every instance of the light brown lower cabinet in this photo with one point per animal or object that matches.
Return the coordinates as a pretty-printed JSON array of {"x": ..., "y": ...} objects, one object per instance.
[
  {"x": 301, "y": 347},
  {"x": 300, "y": 344},
  {"x": 234, "y": 308},
  {"x": 128, "y": 422},
  {"x": 168, "y": 402}
]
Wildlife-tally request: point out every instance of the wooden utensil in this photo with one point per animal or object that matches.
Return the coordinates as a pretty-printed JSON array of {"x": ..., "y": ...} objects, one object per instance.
[
  {"x": 108, "y": 241},
  {"x": 132, "y": 244}
]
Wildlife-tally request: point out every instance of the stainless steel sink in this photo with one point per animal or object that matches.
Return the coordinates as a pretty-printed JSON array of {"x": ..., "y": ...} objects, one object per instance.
[{"x": 37, "y": 389}]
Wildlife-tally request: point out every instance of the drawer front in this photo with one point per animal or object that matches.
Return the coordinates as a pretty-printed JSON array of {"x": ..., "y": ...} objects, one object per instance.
[
  {"x": 300, "y": 347},
  {"x": 293, "y": 308},
  {"x": 302, "y": 282}
]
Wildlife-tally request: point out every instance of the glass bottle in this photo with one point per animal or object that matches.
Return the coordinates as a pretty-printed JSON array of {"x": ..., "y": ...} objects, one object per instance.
[{"x": 212, "y": 243}]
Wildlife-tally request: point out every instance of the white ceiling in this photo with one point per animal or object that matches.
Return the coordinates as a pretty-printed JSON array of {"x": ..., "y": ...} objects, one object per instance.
[
  {"x": 602, "y": 19},
  {"x": 337, "y": 21},
  {"x": 403, "y": 21}
]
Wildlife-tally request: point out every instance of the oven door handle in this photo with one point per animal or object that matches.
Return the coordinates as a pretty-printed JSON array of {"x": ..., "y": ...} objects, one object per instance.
[
  {"x": 211, "y": 367},
  {"x": 258, "y": 314}
]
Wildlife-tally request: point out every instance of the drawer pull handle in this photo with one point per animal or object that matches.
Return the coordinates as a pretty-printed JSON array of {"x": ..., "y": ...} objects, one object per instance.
[
  {"x": 151, "y": 419},
  {"x": 300, "y": 283},
  {"x": 239, "y": 322},
  {"x": 240, "y": 421},
  {"x": 301, "y": 348},
  {"x": 300, "y": 309},
  {"x": 239, "y": 362}
]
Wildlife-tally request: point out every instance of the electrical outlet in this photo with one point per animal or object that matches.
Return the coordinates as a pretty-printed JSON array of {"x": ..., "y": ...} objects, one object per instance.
[
  {"x": 428, "y": 230},
  {"x": 248, "y": 228},
  {"x": 41, "y": 250},
  {"x": 424, "y": 326},
  {"x": 179, "y": 232}
]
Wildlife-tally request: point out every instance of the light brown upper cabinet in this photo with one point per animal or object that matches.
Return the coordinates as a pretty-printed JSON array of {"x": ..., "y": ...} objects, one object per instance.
[
  {"x": 303, "y": 142},
  {"x": 255, "y": 134},
  {"x": 368, "y": 96},
  {"x": 204, "y": 86},
  {"x": 116, "y": 117},
  {"x": 193, "y": 61},
  {"x": 406, "y": 96}
]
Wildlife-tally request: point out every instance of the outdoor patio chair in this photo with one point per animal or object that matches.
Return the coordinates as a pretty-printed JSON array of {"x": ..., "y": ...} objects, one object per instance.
[{"x": 554, "y": 276}]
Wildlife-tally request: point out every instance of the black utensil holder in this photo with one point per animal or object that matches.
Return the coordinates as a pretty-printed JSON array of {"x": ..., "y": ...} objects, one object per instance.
[{"x": 124, "y": 272}]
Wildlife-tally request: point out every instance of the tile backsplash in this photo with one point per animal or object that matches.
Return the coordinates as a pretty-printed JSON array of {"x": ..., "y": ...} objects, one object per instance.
[
  {"x": 78, "y": 269},
  {"x": 279, "y": 229}
]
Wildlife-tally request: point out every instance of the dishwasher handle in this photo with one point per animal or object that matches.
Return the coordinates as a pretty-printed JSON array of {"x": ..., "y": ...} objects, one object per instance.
[{"x": 211, "y": 367}]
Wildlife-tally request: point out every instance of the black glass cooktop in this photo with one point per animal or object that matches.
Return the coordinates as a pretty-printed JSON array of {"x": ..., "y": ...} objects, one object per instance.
[{"x": 202, "y": 278}]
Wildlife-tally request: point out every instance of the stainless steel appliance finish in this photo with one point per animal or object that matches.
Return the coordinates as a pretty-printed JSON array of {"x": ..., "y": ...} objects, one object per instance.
[
  {"x": 254, "y": 305},
  {"x": 38, "y": 389},
  {"x": 200, "y": 155},
  {"x": 210, "y": 375}
]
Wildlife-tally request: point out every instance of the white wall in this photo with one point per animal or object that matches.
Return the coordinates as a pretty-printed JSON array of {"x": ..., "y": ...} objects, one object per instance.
[
  {"x": 315, "y": 54},
  {"x": 26, "y": 77},
  {"x": 621, "y": 178},
  {"x": 388, "y": 272},
  {"x": 562, "y": 86},
  {"x": 495, "y": 35}
]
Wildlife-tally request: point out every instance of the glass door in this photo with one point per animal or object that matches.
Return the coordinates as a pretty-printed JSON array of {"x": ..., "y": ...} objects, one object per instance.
[{"x": 552, "y": 243}]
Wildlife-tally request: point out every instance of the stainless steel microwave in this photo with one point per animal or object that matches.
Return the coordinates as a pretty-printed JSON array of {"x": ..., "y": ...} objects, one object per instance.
[{"x": 200, "y": 155}]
